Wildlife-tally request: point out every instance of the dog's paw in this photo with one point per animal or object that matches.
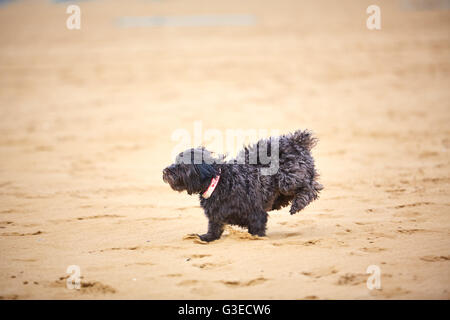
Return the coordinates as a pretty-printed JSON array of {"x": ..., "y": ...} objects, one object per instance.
[
  {"x": 208, "y": 237},
  {"x": 205, "y": 237},
  {"x": 196, "y": 237}
]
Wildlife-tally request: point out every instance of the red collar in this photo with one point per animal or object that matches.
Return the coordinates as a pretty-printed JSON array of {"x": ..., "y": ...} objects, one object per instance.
[{"x": 212, "y": 187}]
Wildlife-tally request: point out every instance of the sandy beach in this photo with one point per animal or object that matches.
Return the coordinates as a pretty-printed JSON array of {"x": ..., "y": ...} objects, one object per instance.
[{"x": 86, "y": 124}]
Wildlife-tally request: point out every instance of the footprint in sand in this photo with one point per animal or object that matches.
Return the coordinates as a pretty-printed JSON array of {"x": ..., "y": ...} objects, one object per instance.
[
  {"x": 99, "y": 217},
  {"x": 152, "y": 219},
  {"x": 85, "y": 286},
  {"x": 209, "y": 265},
  {"x": 198, "y": 287},
  {"x": 30, "y": 282},
  {"x": 359, "y": 223},
  {"x": 5, "y": 184},
  {"x": 319, "y": 273},
  {"x": 411, "y": 231},
  {"x": 437, "y": 180},
  {"x": 173, "y": 275},
  {"x": 198, "y": 256},
  {"x": 345, "y": 232},
  {"x": 25, "y": 260},
  {"x": 409, "y": 205},
  {"x": 140, "y": 264},
  {"x": 381, "y": 235},
  {"x": 428, "y": 154},
  {"x": 237, "y": 284},
  {"x": 187, "y": 283},
  {"x": 311, "y": 242},
  {"x": 186, "y": 208},
  {"x": 292, "y": 234},
  {"x": 395, "y": 191},
  {"x": 10, "y": 297},
  {"x": 10, "y": 211},
  {"x": 352, "y": 279},
  {"x": 30, "y": 196},
  {"x": 301, "y": 223},
  {"x": 298, "y": 243},
  {"x": 17, "y": 234},
  {"x": 329, "y": 216},
  {"x": 4, "y": 224},
  {"x": 389, "y": 293},
  {"x": 408, "y": 214},
  {"x": 237, "y": 234},
  {"x": 164, "y": 247},
  {"x": 435, "y": 258},
  {"x": 205, "y": 265},
  {"x": 96, "y": 287},
  {"x": 116, "y": 249},
  {"x": 203, "y": 290},
  {"x": 372, "y": 249},
  {"x": 311, "y": 298},
  {"x": 374, "y": 210}
]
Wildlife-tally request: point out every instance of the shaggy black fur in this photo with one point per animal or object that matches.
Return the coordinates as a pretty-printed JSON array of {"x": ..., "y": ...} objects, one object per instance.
[{"x": 243, "y": 195}]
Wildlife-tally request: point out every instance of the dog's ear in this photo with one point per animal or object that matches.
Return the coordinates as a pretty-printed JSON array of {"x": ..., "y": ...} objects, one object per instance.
[
  {"x": 205, "y": 171},
  {"x": 197, "y": 175},
  {"x": 191, "y": 179}
]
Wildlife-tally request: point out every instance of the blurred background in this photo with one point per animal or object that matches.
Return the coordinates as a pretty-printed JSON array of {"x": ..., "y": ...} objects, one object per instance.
[
  {"x": 138, "y": 70},
  {"x": 86, "y": 116}
]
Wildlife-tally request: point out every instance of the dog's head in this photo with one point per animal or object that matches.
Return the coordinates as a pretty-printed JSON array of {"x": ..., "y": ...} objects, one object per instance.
[{"x": 192, "y": 171}]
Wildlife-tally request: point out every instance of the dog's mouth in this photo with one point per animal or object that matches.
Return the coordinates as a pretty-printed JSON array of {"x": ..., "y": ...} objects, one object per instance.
[
  {"x": 169, "y": 176},
  {"x": 172, "y": 179}
]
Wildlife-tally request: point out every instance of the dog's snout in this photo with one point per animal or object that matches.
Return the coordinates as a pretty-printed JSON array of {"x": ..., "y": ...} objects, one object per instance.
[
  {"x": 169, "y": 169},
  {"x": 167, "y": 172},
  {"x": 165, "y": 175}
]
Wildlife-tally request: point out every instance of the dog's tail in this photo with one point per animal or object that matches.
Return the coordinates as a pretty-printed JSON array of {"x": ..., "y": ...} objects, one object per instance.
[{"x": 305, "y": 139}]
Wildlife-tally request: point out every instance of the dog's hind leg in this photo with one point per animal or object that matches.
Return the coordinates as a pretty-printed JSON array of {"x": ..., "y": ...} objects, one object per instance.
[
  {"x": 215, "y": 230},
  {"x": 257, "y": 224},
  {"x": 304, "y": 196}
]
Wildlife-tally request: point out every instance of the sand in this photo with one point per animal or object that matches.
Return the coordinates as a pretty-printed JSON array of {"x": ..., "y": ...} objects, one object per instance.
[{"x": 86, "y": 119}]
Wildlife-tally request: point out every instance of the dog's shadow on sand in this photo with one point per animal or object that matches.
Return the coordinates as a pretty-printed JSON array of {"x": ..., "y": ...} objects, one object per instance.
[
  {"x": 229, "y": 234},
  {"x": 238, "y": 235}
]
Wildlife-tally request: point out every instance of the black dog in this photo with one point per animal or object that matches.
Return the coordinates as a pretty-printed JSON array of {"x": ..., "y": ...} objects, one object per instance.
[{"x": 238, "y": 192}]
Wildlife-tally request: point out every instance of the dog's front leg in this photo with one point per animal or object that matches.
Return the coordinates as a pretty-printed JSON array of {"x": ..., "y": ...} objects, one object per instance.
[{"x": 215, "y": 230}]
